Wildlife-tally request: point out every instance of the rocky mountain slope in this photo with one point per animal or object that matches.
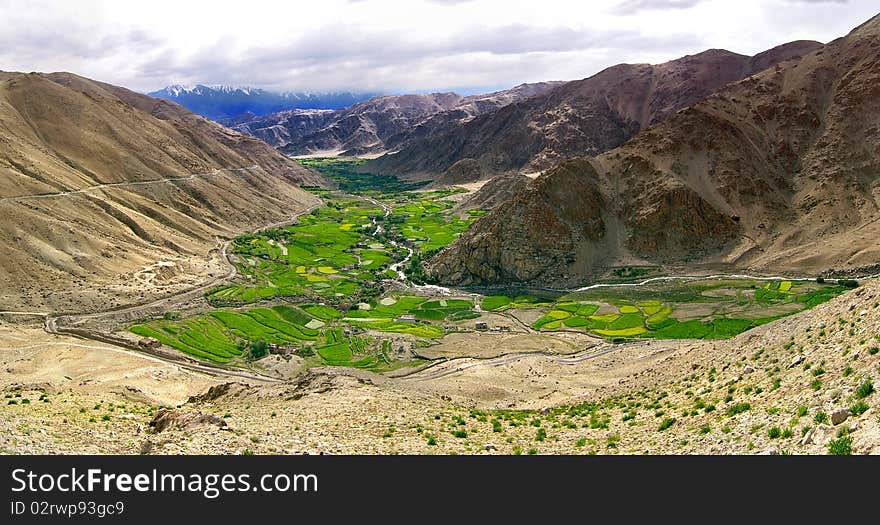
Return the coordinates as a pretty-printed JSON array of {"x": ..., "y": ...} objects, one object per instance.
[
  {"x": 101, "y": 184},
  {"x": 584, "y": 117},
  {"x": 219, "y": 102},
  {"x": 779, "y": 172},
  {"x": 494, "y": 192},
  {"x": 376, "y": 125}
]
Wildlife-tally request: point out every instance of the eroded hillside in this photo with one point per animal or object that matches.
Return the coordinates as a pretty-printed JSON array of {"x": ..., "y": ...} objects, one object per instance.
[
  {"x": 110, "y": 196},
  {"x": 778, "y": 172}
]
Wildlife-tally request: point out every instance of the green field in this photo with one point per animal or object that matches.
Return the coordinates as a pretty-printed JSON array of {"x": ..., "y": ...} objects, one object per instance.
[
  {"x": 424, "y": 221},
  {"x": 344, "y": 172},
  {"x": 496, "y": 303},
  {"x": 222, "y": 335},
  {"x": 699, "y": 309}
]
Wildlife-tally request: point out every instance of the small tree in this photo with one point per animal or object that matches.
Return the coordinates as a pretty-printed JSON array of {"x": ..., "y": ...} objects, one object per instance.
[{"x": 258, "y": 350}]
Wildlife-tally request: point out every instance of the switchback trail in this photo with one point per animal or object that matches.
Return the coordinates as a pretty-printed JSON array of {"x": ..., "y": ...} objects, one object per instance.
[
  {"x": 460, "y": 364},
  {"x": 122, "y": 185}
]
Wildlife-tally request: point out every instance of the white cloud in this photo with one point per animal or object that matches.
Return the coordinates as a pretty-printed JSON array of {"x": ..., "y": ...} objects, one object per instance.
[{"x": 391, "y": 46}]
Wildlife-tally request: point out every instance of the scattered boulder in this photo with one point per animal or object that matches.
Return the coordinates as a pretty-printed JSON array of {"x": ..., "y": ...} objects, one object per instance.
[
  {"x": 798, "y": 359},
  {"x": 178, "y": 420},
  {"x": 820, "y": 435},
  {"x": 839, "y": 416},
  {"x": 218, "y": 391},
  {"x": 748, "y": 369},
  {"x": 146, "y": 447},
  {"x": 489, "y": 446},
  {"x": 808, "y": 437}
]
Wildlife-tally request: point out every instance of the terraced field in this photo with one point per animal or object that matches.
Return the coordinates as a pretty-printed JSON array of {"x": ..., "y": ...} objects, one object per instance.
[
  {"x": 328, "y": 253},
  {"x": 337, "y": 338},
  {"x": 222, "y": 335},
  {"x": 424, "y": 221},
  {"x": 702, "y": 309}
]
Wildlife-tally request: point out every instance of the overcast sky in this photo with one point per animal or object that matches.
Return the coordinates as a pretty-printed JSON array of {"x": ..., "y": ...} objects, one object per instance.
[{"x": 392, "y": 46}]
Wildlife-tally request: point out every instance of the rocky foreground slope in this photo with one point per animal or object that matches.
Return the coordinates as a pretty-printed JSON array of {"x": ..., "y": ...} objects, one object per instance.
[
  {"x": 778, "y": 172},
  {"x": 584, "y": 117},
  {"x": 108, "y": 196},
  {"x": 803, "y": 385}
]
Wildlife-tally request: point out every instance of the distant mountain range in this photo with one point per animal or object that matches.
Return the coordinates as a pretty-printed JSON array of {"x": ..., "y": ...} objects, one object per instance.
[
  {"x": 218, "y": 102},
  {"x": 377, "y": 125}
]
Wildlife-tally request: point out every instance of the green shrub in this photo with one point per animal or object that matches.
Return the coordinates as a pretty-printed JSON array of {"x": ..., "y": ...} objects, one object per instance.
[
  {"x": 460, "y": 433},
  {"x": 541, "y": 435},
  {"x": 774, "y": 432},
  {"x": 668, "y": 422},
  {"x": 258, "y": 350},
  {"x": 432, "y": 441},
  {"x": 859, "y": 408},
  {"x": 865, "y": 389},
  {"x": 820, "y": 417},
  {"x": 840, "y": 447},
  {"x": 738, "y": 408}
]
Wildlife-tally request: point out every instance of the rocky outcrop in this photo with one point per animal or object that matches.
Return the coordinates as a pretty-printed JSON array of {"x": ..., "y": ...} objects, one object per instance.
[
  {"x": 493, "y": 193},
  {"x": 534, "y": 236},
  {"x": 166, "y": 419}
]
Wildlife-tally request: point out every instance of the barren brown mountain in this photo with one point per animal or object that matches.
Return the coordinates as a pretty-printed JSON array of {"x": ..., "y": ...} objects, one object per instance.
[
  {"x": 778, "y": 172},
  {"x": 109, "y": 196},
  {"x": 585, "y": 117}
]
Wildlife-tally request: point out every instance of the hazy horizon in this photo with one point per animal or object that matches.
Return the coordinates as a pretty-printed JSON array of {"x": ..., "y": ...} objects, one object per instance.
[{"x": 380, "y": 46}]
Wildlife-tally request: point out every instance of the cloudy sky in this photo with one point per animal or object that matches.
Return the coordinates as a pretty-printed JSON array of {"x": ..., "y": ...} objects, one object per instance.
[{"x": 392, "y": 46}]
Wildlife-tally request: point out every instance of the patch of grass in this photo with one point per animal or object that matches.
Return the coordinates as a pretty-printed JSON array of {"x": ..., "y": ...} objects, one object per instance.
[{"x": 495, "y": 302}]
